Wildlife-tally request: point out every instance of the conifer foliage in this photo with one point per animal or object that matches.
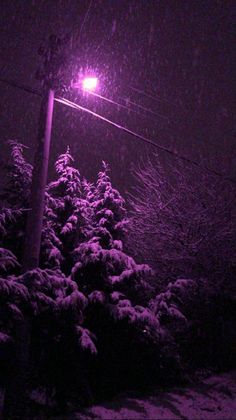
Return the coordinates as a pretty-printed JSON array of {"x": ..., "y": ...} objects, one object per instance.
[
  {"x": 19, "y": 173},
  {"x": 65, "y": 214},
  {"x": 108, "y": 206},
  {"x": 14, "y": 200},
  {"x": 118, "y": 290},
  {"x": 94, "y": 325},
  {"x": 86, "y": 287}
]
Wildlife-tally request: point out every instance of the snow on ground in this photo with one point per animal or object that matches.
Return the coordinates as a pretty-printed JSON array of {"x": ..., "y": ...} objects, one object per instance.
[{"x": 213, "y": 398}]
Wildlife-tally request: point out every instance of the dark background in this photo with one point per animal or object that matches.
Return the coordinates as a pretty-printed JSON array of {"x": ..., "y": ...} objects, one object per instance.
[{"x": 179, "y": 52}]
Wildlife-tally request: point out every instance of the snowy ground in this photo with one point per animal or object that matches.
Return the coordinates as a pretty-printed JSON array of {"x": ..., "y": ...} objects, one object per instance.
[{"x": 214, "y": 398}]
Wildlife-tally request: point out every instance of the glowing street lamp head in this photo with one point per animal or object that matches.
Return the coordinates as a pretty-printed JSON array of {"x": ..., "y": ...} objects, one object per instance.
[{"x": 90, "y": 83}]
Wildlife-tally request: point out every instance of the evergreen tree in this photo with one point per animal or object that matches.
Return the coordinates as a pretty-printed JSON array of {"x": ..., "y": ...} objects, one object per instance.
[
  {"x": 133, "y": 348},
  {"x": 118, "y": 290},
  {"x": 101, "y": 308},
  {"x": 108, "y": 219},
  {"x": 15, "y": 202},
  {"x": 51, "y": 246},
  {"x": 65, "y": 214},
  {"x": 57, "y": 341},
  {"x": 100, "y": 260},
  {"x": 19, "y": 174},
  {"x": 88, "y": 189},
  {"x": 8, "y": 262}
]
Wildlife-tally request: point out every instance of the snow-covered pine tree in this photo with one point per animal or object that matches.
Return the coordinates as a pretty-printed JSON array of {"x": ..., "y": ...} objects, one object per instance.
[
  {"x": 57, "y": 339},
  {"x": 116, "y": 288},
  {"x": 88, "y": 190},
  {"x": 51, "y": 246},
  {"x": 108, "y": 219},
  {"x": 8, "y": 262},
  {"x": 16, "y": 192},
  {"x": 100, "y": 260},
  {"x": 133, "y": 348},
  {"x": 65, "y": 213},
  {"x": 15, "y": 202}
]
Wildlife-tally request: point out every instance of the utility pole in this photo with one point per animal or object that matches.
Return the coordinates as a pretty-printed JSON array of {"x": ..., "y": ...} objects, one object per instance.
[
  {"x": 50, "y": 74},
  {"x": 39, "y": 179}
]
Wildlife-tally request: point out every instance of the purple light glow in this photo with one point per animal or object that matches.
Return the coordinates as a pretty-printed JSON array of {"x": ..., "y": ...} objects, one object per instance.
[{"x": 90, "y": 83}]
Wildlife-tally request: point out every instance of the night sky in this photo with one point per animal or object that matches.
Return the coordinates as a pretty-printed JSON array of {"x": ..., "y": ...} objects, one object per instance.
[{"x": 181, "y": 53}]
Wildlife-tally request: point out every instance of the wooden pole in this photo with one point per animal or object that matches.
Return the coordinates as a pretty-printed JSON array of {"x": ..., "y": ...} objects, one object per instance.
[{"x": 34, "y": 224}]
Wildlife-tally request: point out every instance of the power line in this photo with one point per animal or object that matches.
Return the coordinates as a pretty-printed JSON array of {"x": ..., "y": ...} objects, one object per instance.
[
  {"x": 155, "y": 98},
  {"x": 125, "y": 106},
  {"x": 119, "y": 105},
  {"x": 111, "y": 101},
  {"x": 126, "y": 130},
  {"x": 95, "y": 114},
  {"x": 146, "y": 109},
  {"x": 142, "y": 138}
]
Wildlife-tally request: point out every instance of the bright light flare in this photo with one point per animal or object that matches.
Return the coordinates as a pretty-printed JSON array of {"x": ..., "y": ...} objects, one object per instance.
[{"x": 90, "y": 83}]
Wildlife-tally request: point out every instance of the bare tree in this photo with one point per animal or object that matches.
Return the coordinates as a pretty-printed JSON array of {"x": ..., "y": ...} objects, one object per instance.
[{"x": 183, "y": 221}]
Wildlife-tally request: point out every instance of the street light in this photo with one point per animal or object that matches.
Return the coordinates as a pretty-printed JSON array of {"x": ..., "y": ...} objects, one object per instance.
[
  {"x": 90, "y": 83},
  {"x": 86, "y": 83}
]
